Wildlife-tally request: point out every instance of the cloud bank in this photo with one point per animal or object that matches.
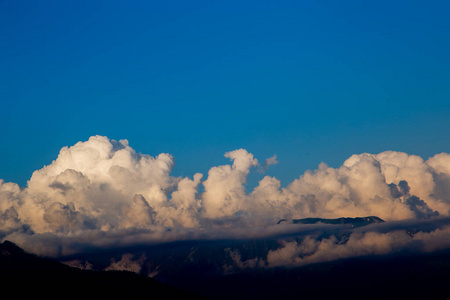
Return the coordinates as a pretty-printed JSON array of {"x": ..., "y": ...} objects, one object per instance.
[{"x": 101, "y": 193}]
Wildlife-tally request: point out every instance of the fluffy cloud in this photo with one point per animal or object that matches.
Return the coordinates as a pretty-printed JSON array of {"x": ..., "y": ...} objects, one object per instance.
[
  {"x": 127, "y": 263},
  {"x": 313, "y": 250},
  {"x": 102, "y": 192},
  {"x": 224, "y": 188}
]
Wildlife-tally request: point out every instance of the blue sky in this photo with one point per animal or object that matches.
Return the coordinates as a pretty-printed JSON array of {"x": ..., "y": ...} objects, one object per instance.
[{"x": 309, "y": 81}]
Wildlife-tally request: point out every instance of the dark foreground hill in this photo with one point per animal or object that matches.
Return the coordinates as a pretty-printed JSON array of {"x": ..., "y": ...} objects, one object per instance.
[
  {"x": 405, "y": 275},
  {"x": 24, "y": 275}
]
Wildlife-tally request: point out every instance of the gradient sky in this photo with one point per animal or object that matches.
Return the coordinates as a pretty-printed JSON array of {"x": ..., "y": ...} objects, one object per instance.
[{"x": 309, "y": 81}]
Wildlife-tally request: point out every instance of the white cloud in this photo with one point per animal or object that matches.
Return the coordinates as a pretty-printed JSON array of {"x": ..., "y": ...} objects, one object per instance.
[
  {"x": 224, "y": 193},
  {"x": 312, "y": 250},
  {"x": 126, "y": 263},
  {"x": 102, "y": 192}
]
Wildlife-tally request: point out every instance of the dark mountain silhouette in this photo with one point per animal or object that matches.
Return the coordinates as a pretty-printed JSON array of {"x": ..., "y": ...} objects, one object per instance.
[
  {"x": 403, "y": 276},
  {"x": 354, "y": 222},
  {"x": 200, "y": 267},
  {"x": 195, "y": 269},
  {"x": 23, "y": 274}
]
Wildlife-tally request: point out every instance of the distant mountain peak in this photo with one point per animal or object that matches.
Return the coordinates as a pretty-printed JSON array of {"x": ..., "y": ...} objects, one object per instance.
[{"x": 354, "y": 222}]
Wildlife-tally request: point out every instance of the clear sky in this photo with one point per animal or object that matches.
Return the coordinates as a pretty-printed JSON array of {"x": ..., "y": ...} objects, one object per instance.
[{"x": 309, "y": 81}]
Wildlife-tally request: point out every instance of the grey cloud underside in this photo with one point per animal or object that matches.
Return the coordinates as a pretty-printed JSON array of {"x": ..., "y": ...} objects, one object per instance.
[
  {"x": 101, "y": 193},
  {"x": 286, "y": 245}
]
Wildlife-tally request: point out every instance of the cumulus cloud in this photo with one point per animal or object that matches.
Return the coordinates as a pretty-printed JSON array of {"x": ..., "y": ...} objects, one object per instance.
[
  {"x": 101, "y": 192},
  {"x": 304, "y": 248},
  {"x": 224, "y": 193},
  {"x": 126, "y": 263},
  {"x": 313, "y": 250}
]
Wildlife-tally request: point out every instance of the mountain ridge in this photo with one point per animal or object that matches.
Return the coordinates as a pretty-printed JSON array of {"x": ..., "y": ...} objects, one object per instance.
[
  {"x": 50, "y": 278},
  {"x": 353, "y": 222}
]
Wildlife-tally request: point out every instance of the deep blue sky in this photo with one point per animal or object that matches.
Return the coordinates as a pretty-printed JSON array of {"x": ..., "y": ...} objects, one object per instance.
[{"x": 310, "y": 81}]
